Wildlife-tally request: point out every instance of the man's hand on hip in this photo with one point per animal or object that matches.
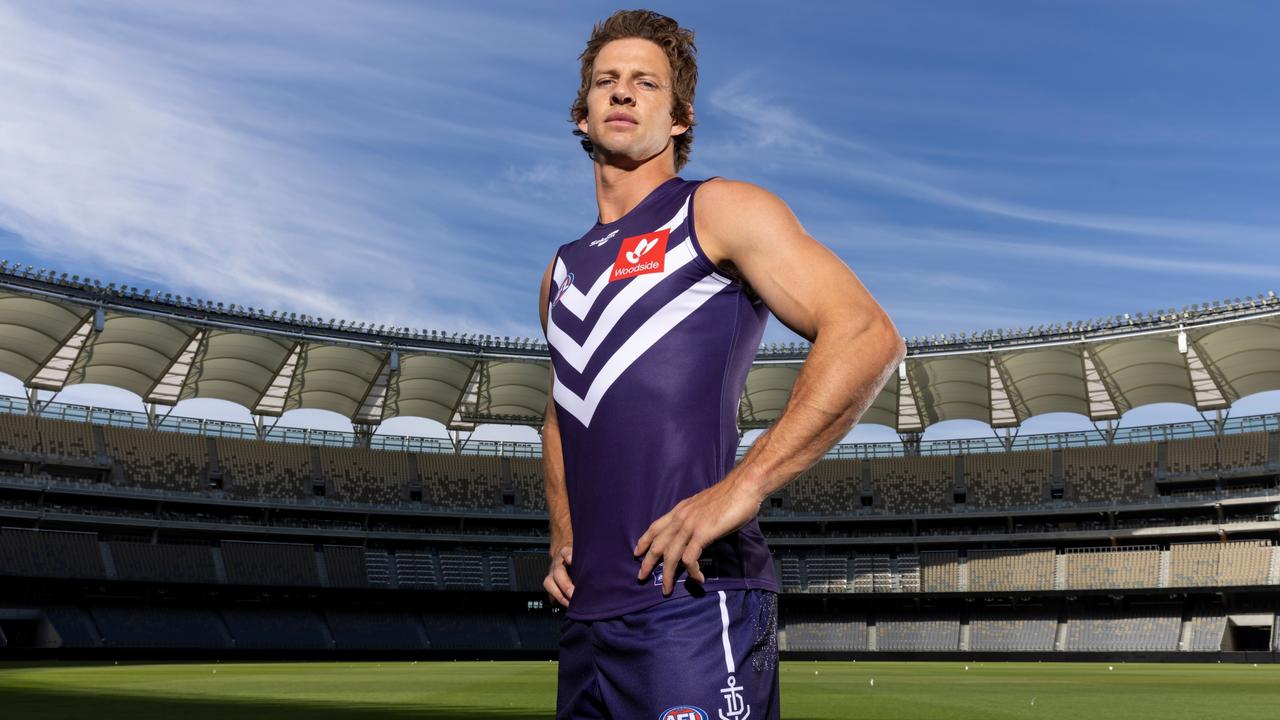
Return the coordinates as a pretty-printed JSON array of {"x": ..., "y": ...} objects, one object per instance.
[
  {"x": 557, "y": 581},
  {"x": 680, "y": 536}
]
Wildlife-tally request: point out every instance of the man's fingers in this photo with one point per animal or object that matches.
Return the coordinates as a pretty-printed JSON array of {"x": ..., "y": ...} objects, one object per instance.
[
  {"x": 560, "y": 576},
  {"x": 671, "y": 562},
  {"x": 650, "y": 560},
  {"x": 690, "y": 560},
  {"x": 550, "y": 586},
  {"x": 655, "y": 529}
]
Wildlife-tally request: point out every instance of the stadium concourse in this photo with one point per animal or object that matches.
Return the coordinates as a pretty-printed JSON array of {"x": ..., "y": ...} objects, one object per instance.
[{"x": 146, "y": 534}]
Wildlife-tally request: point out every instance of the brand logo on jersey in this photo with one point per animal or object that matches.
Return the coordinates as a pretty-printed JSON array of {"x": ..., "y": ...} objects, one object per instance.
[
  {"x": 684, "y": 712},
  {"x": 640, "y": 255},
  {"x": 603, "y": 240},
  {"x": 565, "y": 284}
]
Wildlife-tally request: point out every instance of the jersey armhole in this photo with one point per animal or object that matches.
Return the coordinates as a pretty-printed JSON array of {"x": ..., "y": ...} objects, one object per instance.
[
  {"x": 552, "y": 288},
  {"x": 701, "y": 256}
]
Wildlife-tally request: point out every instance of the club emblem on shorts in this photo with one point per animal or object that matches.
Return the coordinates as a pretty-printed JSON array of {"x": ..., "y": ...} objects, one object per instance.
[
  {"x": 640, "y": 255},
  {"x": 735, "y": 707},
  {"x": 683, "y": 712},
  {"x": 564, "y": 285}
]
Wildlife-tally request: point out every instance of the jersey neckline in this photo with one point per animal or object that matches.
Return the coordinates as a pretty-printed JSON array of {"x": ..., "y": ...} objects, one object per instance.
[{"x": 647, "y": 199}]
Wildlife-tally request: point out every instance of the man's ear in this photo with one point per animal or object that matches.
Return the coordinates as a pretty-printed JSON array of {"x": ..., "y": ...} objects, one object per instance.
[
  {"x": 582, "y": 124},
  {"x": 679, "y": 129}
]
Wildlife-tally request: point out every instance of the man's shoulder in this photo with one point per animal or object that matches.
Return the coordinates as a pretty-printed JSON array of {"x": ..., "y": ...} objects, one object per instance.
[
  {"x": 727, "y": 211},
  {"x": 724, "y": 199},
  {"x": 719, "y": 190}
]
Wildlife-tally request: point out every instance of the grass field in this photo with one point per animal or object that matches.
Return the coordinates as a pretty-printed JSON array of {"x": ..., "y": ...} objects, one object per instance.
[{"x": 508, "y": 690}]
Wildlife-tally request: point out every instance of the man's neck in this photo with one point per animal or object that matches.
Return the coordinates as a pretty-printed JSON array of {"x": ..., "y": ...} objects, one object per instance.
[{"x": 619, "y": 190}]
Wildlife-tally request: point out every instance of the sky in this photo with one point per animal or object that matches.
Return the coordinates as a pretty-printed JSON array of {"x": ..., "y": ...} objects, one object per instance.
[{"x": 978, "y": 165}]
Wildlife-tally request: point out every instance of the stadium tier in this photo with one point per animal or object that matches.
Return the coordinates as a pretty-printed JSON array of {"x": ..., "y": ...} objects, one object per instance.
[
  {"x": 1133, "y": 547},
  {"x": 149, "y": 532}
]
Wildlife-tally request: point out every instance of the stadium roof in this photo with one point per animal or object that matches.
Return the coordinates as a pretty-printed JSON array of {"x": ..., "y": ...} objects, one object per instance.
[{"x": 57, "y": 331}]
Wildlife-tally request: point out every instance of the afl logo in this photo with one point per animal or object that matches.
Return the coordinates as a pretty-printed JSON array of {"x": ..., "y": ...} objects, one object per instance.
[
  {"x": 683, "y": 712},
  {"x": 564, "y": 285}
]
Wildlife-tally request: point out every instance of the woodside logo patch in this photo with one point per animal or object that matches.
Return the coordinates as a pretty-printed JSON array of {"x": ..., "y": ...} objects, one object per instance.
[{"x": 640, "y": 255}]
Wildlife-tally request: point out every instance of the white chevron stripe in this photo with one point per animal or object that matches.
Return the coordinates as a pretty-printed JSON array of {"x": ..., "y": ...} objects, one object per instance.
[
  {"x": 580, "y": 304},
  {"x": 579, "y": 355},
  {"x": 653, "y": 330}
]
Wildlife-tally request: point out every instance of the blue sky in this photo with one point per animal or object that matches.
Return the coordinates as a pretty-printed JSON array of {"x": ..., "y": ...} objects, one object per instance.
[{"x": 978, "y": 165}]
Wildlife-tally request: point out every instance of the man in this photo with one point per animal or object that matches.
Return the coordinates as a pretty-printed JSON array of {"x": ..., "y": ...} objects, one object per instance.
[{"x": 653, "y": 318}]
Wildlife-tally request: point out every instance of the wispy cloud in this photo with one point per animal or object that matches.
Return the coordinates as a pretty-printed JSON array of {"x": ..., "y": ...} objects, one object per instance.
[
  {"x": 270, "y": 155},
  {"x": 767, "y": 126}
]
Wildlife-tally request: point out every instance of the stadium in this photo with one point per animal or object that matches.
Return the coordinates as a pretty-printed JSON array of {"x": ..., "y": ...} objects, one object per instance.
[{"x": 153, "y": 538}]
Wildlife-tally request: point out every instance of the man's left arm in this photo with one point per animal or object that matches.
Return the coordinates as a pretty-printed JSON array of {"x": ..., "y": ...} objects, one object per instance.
[{"x": 855, "y": 350}]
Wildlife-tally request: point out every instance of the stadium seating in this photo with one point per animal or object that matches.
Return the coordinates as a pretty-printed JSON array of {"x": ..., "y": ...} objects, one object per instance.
[
  {"x": 367, "y": 476},
  {"x": 163, "y": 562},
  {"x": 259, "y": 469},
  {"x": 280, "y": 628},
  {"x": 1008, "y": 629},
  {"x": 1193, "y": 456},
  {"x": 1130, "y": 630},
  {"x": 530, "y": 569},
  {"x": 376, "y": 630},
  {"x": 19, "y": 435},
  {"x": 161, "y": 460},
  {"x": 1011, "y": 569},
  {"x": 457, "y": 630},
  {"x": 73, "y": 625},
  {"x": 1113, "y": 567},
  {"x": 829, "y": 487},
  {"x": 1110, "y": 473},
  {"x": 50, "y": 553},
  {"x": 346, "y": 566},
  {"x": 1245, "y": 450},
  {"x": 125, "y": 626},
  {"x": 538, "y": 630},
  {"x": 66, "y": 439},
  {"x": 263, "y": 563},
  {"x": 1013, "y": 479},
  {"x": 415, "y": 570},
  {"x": 939, "y": 571},
  {"x": 826, "y": 573},
  {"x": 814, "y": 631},
  {"x": 528, "y": 483},
  {"x": 1207, "y": 629},
  {"x": 911, "y": 629},
  {"x": 461, "y": 481},
  {"x": 915, "y": 484}
]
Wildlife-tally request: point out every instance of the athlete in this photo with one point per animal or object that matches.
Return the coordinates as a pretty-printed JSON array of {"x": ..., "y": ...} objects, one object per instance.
[{"x": 653, "y": 318}]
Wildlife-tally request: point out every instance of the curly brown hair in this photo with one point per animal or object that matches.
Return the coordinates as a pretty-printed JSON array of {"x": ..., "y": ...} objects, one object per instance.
[{"x": 675, "y": 41}]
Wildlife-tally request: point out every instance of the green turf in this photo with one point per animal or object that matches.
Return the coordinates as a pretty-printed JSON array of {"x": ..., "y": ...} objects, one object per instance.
[{"x": 472, "y": 690}]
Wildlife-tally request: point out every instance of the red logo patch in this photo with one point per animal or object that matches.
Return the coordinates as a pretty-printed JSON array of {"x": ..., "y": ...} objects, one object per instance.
[{"x": 640, "y": 255}]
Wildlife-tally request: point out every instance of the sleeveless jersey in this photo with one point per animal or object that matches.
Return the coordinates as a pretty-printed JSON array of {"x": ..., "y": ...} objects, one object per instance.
[{"x": 651, "y": 345}]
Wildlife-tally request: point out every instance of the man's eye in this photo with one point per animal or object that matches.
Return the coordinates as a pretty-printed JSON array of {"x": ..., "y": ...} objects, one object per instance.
[
  {"x": 650, "y": 85},
  {"x": 602, "y": 81}
]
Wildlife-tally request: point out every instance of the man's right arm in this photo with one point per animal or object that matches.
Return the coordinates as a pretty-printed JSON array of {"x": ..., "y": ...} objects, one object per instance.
[{"x": 557, "y": 581}]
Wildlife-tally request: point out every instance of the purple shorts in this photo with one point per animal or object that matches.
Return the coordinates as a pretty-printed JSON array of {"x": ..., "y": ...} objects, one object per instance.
[{"x": 691, "y": 658}]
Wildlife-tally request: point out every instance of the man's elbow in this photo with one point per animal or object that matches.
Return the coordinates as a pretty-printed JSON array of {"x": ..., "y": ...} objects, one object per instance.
[
  {"x": 878, "y": 335},
  {"x": 895, "y": 348}
]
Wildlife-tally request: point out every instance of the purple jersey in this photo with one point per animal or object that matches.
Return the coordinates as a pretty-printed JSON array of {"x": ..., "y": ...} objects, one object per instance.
[{"x": 651, "y": 345}]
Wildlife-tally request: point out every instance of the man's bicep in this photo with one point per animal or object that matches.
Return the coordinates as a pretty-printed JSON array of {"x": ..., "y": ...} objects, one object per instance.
[{"x": 804, "y": 284}]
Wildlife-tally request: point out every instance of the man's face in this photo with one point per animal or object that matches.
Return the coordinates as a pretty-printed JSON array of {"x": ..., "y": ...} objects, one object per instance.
[{"x": 629, "y": 102}]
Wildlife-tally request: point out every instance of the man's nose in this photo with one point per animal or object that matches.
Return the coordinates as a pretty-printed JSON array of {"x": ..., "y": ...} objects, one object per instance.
[{"x": 620, "y": 96}]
